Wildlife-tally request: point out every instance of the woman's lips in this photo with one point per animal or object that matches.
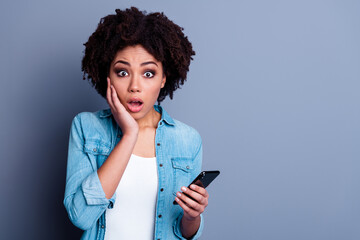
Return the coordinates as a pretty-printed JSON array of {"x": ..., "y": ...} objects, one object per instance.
[{"x": 135, "y": 106}]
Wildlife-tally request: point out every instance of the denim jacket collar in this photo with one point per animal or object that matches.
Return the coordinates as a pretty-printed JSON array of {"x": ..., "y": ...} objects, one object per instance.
[{"x": 164, "y": 115}]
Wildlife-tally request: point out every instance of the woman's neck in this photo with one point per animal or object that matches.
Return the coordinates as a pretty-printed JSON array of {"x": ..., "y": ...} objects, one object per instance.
[{"x": 150, "y": 120}]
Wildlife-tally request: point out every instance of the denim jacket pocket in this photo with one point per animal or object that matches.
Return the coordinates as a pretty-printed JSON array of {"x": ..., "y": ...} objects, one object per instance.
[
  {"x": 182, "y": 172},
  {"x": 98, "y": 151}
]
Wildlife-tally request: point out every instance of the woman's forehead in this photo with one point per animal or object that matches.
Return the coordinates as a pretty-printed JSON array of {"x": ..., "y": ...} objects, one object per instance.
[{"x": 134, "y": 54}]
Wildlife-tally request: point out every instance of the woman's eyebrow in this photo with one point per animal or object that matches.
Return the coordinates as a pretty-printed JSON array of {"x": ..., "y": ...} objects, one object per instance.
[
  {"x": 150, "y": 62},
  {"x": 123, "y": 62}
]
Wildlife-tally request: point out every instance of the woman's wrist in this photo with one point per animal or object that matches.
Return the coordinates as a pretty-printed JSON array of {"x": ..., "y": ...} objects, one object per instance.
[
  {"x": 191, "y": 219},
  {"x": 189, "y": 226},
  {"x": 133, "y": 134}
]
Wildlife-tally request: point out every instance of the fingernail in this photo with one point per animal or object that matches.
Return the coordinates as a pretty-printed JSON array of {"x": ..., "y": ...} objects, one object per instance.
[
  {"x": 176, "y": 199},
  {"x": 192, "y": 186},
  {"x": 183, "y": 189},
  {"x": 178, "y": 194}
]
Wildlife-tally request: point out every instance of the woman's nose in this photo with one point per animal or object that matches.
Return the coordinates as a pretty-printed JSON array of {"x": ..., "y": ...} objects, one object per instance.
[{"x": 134, "y": 85}]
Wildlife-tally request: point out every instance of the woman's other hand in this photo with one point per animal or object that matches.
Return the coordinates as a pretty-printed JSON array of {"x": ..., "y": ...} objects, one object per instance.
[
  {"x": 123, "y": 118},
  {"x": 195, "y": 206},
  {"x": 192, "y": 207}
]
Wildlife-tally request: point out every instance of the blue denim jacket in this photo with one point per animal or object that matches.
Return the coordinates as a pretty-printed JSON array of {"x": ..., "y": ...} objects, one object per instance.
[{"x": 92, "y": 138}]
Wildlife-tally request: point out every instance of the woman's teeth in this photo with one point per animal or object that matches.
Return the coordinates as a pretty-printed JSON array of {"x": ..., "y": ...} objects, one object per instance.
[{"x": 136, "y": 103}]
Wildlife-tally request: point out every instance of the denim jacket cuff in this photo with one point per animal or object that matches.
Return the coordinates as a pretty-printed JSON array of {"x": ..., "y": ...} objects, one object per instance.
[
  {"x": 94, "y": 193},
  {"x": 177, "y": 229}
]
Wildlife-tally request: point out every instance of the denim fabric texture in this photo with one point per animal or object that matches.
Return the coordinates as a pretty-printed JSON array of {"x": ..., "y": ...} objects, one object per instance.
[{"x": 93, "y": 135}]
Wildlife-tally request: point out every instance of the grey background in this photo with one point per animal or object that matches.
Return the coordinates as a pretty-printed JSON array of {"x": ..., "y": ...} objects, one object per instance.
[{"x": 273, "y": 90}]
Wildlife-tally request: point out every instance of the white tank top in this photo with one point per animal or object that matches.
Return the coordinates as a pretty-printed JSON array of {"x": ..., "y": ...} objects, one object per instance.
[{"x": 133, "y": 214}]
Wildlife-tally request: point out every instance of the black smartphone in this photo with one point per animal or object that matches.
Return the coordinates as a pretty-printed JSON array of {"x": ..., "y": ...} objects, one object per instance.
[{"x": 203, "y": 179}]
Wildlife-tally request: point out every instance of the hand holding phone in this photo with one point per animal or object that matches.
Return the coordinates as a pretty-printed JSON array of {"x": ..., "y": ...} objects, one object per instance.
[{"x": 203, "y": 179}]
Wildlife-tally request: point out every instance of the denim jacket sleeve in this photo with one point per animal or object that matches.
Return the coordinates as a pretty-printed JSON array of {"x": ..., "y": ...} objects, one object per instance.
[
  {"x": 84, "y": 198},
  {"x": 177, "y": 222}
]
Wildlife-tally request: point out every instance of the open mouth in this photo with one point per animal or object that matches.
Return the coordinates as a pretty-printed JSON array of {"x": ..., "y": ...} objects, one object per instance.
[{"x": 135, "y": 105}]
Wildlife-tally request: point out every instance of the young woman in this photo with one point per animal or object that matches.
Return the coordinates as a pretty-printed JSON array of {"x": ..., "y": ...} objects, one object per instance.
[{"x": 128, "y": 163}]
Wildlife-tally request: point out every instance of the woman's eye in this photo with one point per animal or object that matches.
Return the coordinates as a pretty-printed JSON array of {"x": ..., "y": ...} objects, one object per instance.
[
  {"x": 122, "y": 73},
  {"x": 149, "y": 74}
]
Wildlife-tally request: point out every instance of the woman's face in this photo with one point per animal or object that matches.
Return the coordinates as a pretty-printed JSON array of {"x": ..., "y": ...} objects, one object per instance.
[{"x": 137, "y": 77}]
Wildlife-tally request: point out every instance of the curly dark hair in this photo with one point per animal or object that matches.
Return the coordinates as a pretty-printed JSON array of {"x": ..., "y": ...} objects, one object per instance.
[{"x": 161, "y": 37}]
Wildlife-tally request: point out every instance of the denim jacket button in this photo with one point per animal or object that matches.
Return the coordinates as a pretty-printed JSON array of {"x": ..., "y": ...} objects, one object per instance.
[
  {"x": 161, "y": 189},
  {"x": 94, "y": 149},
  {"x": 158, "y": 144},
  {"x": 102, "y": 226},
  {"x": 187, "y": 167}
]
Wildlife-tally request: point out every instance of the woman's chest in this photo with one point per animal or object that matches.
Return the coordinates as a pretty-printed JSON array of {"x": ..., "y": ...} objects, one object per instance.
[{"x": 145, "y": 144}]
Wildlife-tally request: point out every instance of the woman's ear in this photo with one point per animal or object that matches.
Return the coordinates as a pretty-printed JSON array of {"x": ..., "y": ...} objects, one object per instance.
[{"x": 163, "y": 81}]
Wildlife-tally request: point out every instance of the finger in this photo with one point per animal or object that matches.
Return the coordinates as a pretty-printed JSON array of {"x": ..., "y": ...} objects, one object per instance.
[
  {"x": 190, "y": 202},
  {"x": 201, "y": 199},
  {"x": 186, "y": 208},
  {"x": 108, "y": 93},
  {"x": 199, "y": 189},
  {"x": 115, "y": 99}
]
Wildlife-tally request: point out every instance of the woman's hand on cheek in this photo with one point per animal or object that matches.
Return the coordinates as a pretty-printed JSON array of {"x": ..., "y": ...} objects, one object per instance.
[
  {"x": 195, "y": 206},
  {"x": 123, "y": 118}
]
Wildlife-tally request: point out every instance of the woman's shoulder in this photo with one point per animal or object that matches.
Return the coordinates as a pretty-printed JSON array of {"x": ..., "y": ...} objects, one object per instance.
[
  {"x": 179, "y": 128},
  {"x": 184, "y": 127},
  {"x": 186, "y": 132},
  {"x": 95, "y": 115},
  {"x": 96, "y": 124}
]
